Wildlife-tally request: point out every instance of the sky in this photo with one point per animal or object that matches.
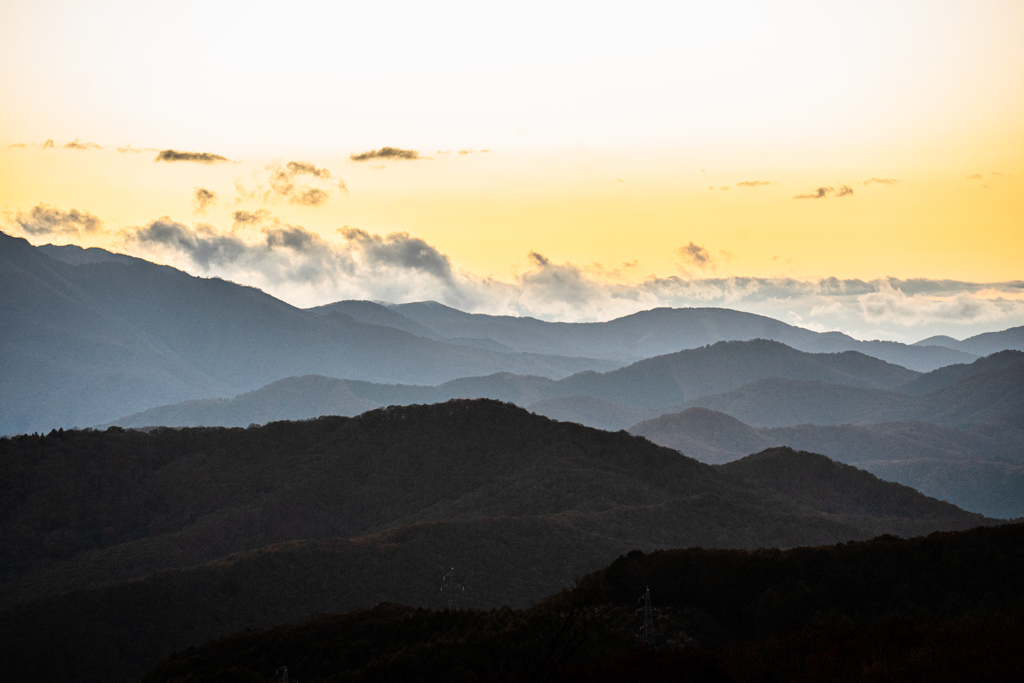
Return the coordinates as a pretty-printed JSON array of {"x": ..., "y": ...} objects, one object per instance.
[{"x": 839, "y": 166}]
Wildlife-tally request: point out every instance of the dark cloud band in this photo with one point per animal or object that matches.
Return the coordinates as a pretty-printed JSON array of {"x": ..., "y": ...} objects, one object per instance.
[
  {"x": 171, "y": 155},
  {"x": 386, "y": 153}
]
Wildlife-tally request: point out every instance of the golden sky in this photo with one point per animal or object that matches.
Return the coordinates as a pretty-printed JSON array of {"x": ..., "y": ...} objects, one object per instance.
[{"x": 626, "y": 146}]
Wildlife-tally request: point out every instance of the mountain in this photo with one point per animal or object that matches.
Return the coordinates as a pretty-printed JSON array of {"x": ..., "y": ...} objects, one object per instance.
[
  {"x": 980, "y": 397},
  {"x": 172, "y": 537},
  {"x": 611, "y": 400},
  {"x": 983, "y": 344},
  {"x": 89, "y": 336},
  {"x": 980, "y": 468},
  {"x": 650, "y": 333},
  {"x": 952, "y": 374}
]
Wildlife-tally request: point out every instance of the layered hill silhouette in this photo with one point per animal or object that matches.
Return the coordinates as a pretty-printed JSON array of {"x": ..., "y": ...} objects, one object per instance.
[
  {"x": 983, "y": 344},
  {"x": 172, "y": 537},
  {"x": 980, "y": 468},
  {"x": 610, "y": 400},
  {"x": 88, "y": 336},
  {"x": 634, "y": 337}
]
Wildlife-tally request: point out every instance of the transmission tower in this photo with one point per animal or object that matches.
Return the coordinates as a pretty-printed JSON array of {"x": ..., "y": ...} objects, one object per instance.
[
  {"x": 452, "y": 589},
  {"x": 283, "y": 673},
  {"x": 648, "y": 612}
]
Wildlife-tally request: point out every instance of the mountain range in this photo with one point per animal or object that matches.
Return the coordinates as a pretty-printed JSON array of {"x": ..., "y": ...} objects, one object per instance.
[{"x": 89, "y": 336}]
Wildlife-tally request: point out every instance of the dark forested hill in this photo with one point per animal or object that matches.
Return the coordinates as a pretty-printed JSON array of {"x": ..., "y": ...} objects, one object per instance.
[
  {"x": 942, "y": 608},
  {"x": 87, "y": 338},
  {"x": 339, "y": 513}
]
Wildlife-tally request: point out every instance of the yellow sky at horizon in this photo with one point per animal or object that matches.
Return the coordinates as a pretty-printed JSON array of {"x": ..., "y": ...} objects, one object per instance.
[{"x": 606, "y": 125}]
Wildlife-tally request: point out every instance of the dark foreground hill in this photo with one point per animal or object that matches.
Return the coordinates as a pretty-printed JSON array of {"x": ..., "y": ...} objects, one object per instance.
[
  {"x": 136, "y": 544},
  {"x": 948, "y": 607}
]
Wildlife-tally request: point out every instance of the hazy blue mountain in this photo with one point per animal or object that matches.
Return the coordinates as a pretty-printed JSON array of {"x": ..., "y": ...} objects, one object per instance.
[
  {"x": 610, "y": 400},
  {"x": 983, "y": 344},
  {"x": 979, "y": 468},
  {"x": 951, "y": 374},
  {"x": 87, "y": 336},
  {"x": 657, "y": 332}
]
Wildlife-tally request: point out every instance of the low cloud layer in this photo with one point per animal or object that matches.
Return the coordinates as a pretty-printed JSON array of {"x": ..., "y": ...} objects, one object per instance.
[
  {"x": 386, "y": 153},
  {"x": 171, "y": 155},
  {"x": 754, "y": 183},
  {"x": 308, "y": 268},
  {"x": 45, "y": 220}
]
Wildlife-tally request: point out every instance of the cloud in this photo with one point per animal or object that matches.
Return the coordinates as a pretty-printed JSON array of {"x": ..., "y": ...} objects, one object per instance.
[
  {"x": 342, "y": 186},
  {"x": 17, "y": 144},
  {"x": 283, "y": 187},
  {"x": 386, "y": 153},
  {"x": 133, "y": 150},
  {"x": 755, "y": 183},
  {"x": 823, "y": 192},
  {"x": 49, "y": 144},
  {"x": 46, "y": 220},
  {"x": 696, "y": 255},
  {"x": 976, "y": 176},
  {"x": 78, "y": 144},
  {"x": 203, "y": 199},
  {"x": 401, "y": 250},
  {"x": 244, "y": 218},
  {"x": 881, "y": 181},
  {"x": 889, "y": 304},
  {"x": 295, "y": 168},
  {"x": 170, "y": 155}
]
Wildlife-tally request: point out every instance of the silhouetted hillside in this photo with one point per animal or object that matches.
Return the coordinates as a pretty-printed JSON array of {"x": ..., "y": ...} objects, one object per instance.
[
  {"x": 945, "y": 607},
  {"x": 837, "y": 489},
  {"x": 84, "y": 344},
  {"x": 99, "y": 524},
  {"x": 983, "y": 344}
]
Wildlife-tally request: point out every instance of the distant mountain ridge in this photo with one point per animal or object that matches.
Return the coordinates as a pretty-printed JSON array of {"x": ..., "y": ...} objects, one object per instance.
[
  {"x": 623, "y": 396},
  {"x": 655, "y": 332},
  {"x": 87, "y": 336}
]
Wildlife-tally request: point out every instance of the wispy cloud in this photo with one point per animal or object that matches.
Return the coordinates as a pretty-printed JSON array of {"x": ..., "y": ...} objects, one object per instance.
[
  {"x": 49, "y": 144},
  {"x": 309, "y": 268},
  {"x": 282, "y": 184},
  {"x": 880, "y": 181},
  {"x": 202, "y": 199},
  {"x": 171, "y": 155},
  {"x": 824, "y": 192},
  {"x": 754, "y": 183},
  {"x": 78, "y": 144},
  {"x": 45, "y": 220},
  {"x": 695, "y": 255},
  {"x": 386, "y": 153}
]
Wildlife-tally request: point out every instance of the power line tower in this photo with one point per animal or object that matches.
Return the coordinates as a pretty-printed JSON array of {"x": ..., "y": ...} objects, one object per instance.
[
  {"x": 452, "y": 589},
  {"x": 283, "y": 673},
  {"x": 648, "y": 612}
]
